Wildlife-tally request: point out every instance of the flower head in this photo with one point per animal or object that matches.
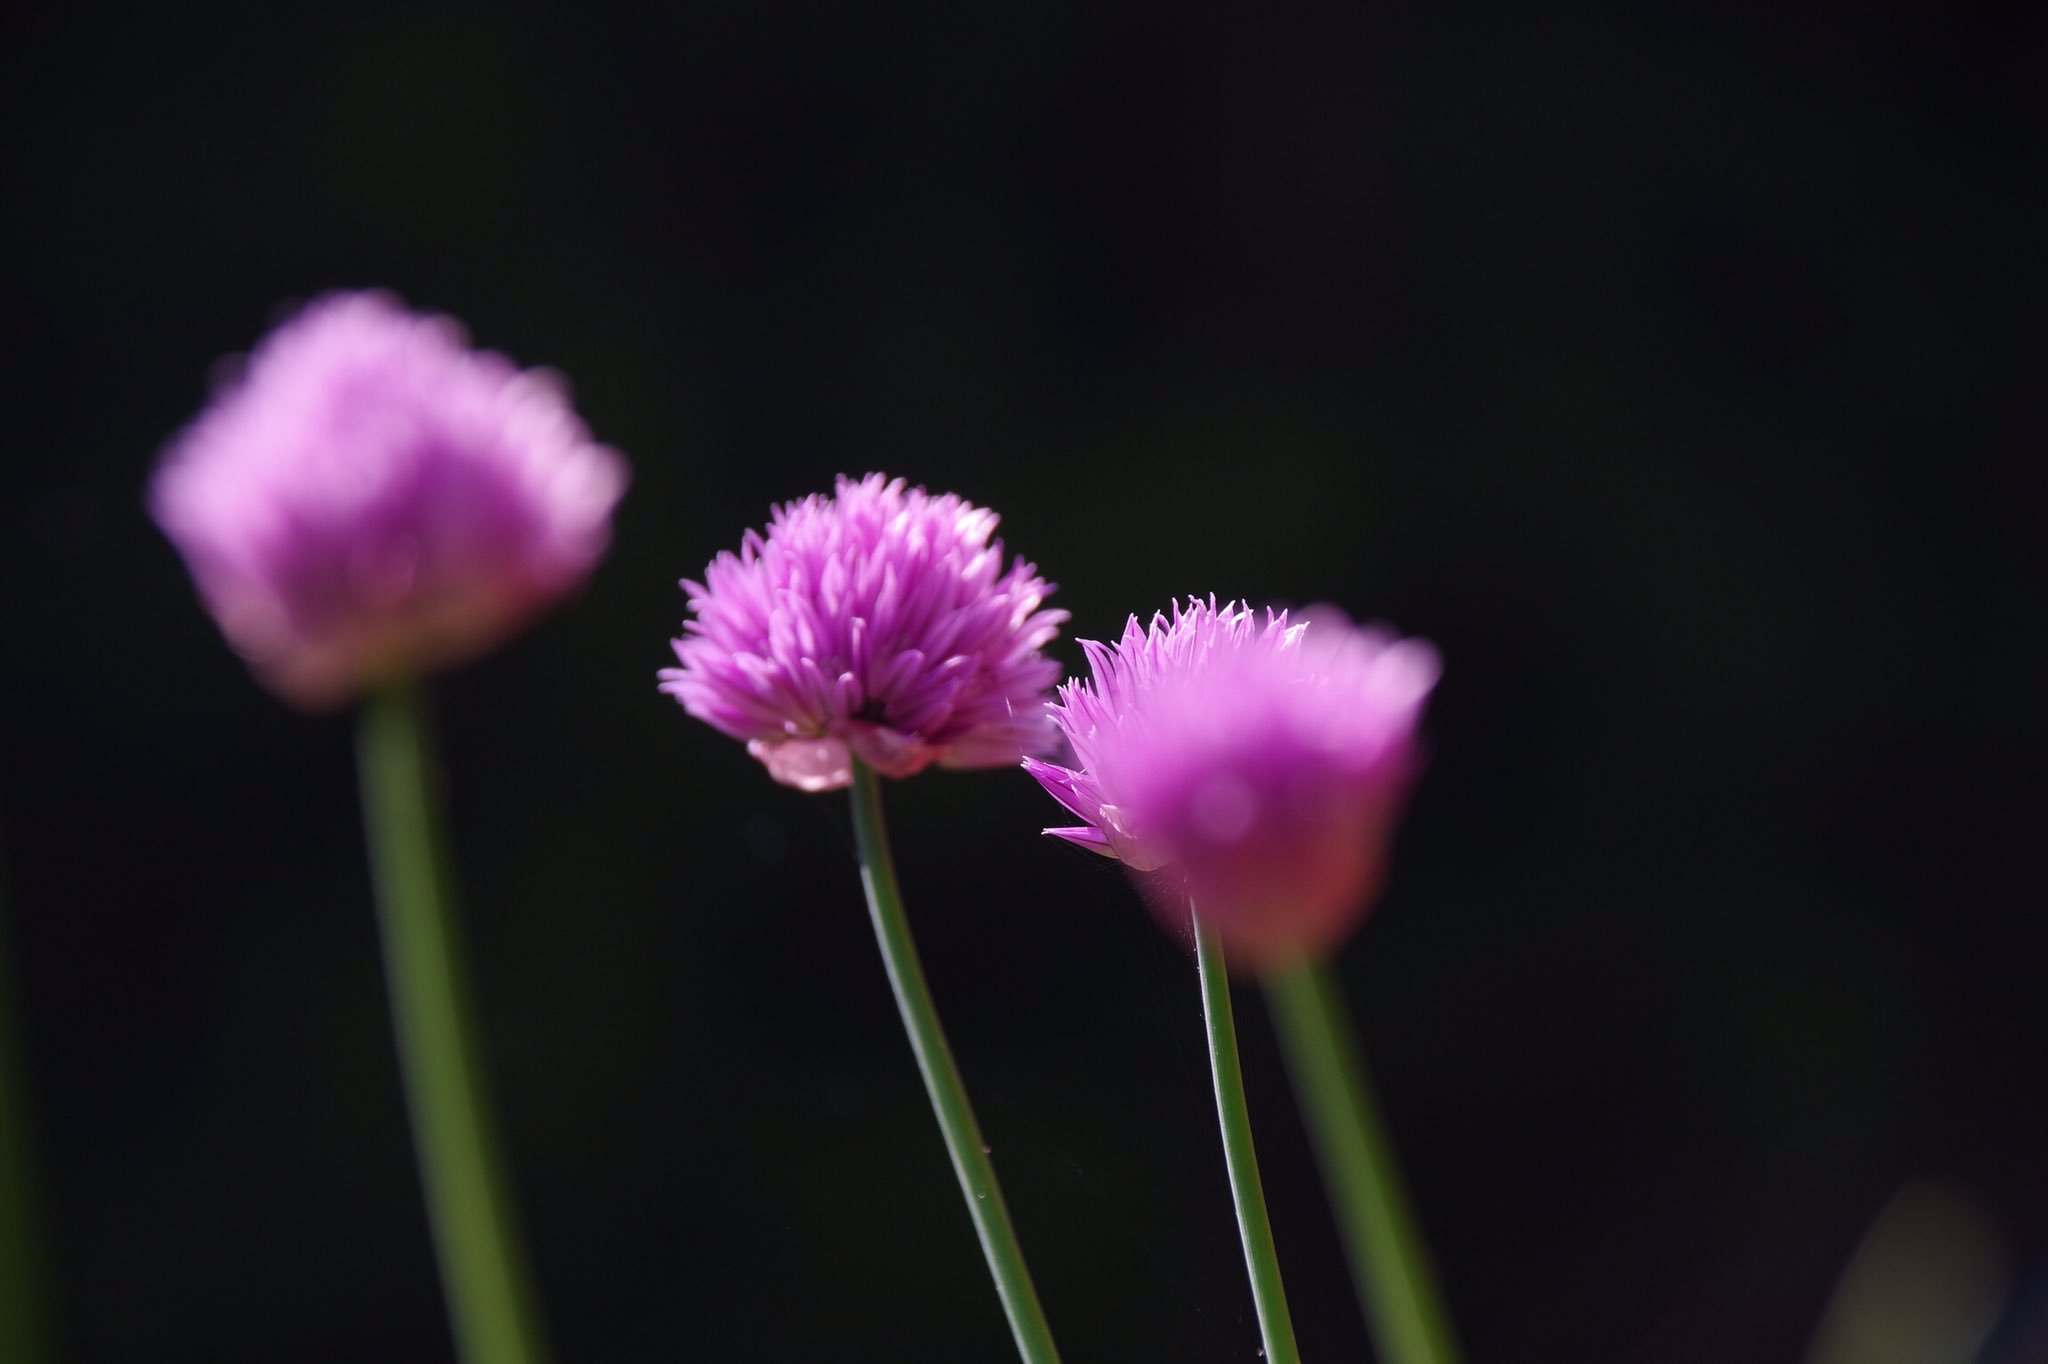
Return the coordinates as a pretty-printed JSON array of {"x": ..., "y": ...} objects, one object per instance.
[
  {"x": 877, "y": 623},
  {"x": 372, "y": 499},
  {"x": 1257, "y": 767}
]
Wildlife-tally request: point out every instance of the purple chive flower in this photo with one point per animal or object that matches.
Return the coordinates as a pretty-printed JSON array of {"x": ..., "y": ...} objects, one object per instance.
[
  {"x": 372, "y": 499},
  {"x": 1257, "y": 767},
  {"x": 878, "y": 623}
]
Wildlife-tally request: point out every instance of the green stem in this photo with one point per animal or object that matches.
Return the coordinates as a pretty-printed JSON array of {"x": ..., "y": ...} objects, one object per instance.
[
  {"x": 24, "y": 1323},
  {"x": 482, "y": 1270},
  {"x": 1254, "y": 1227},
  {"x": 1388, "y": 1262},
  {"x": 942, "y": 1082}
]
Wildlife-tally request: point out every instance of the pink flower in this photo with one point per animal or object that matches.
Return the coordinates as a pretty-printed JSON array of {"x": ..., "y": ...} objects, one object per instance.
[
  {"x": 372, "y": 499},
  {"x": 878, "y": 623},
  {"x": 1255, "y": 767}
]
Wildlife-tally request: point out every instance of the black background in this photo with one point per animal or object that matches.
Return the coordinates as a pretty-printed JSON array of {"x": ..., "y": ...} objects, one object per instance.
[{"x": 1676, "y": 370}]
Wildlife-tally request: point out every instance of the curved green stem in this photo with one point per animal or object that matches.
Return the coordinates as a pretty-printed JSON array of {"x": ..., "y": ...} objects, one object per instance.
[
  {"x": 1388, "y": 1262},
  {"x": 482, "y": 1269},
  {"x": 1261, "y": 1259},
  {"x": 942, "y": 1082}
]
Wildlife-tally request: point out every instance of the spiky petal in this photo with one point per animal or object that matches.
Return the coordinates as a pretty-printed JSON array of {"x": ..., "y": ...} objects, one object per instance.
[
  {"x": 877, "y": 622},
  {"x": 1256, "y": 766}
]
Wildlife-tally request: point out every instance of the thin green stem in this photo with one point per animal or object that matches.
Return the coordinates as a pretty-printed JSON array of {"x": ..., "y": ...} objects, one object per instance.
[
  {"x": 1261, "y": 1259},
  {"x": 1388, "y": 1262},
  {"x": 942, "y": 1082},
  {"x": 482, "y": 1269},
  {"x": 24, "y": 1322}
]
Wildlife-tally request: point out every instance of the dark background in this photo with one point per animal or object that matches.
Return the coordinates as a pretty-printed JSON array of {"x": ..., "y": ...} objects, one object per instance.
[{"x": 1676, "y": 370}]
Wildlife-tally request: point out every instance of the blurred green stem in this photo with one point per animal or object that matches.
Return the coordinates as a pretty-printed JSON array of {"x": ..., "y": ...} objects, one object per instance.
[
  {"x": 1261, "y": 1258},
  {"x": 24, "y": 1320},
  {"x": 482, "y": 1269},
  {"x": 1388, "y": 1262},
  {"x": 942, "y": 1082}
]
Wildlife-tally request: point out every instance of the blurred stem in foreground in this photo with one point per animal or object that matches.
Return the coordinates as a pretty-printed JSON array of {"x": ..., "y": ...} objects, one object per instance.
[
  {"x": 24, "y": 1318},
  {"x": 1924, "y": 1286},
  {"x": 1388, "y": 1262},
  {"x": 942, "y": 1082},
  {"x": 483, "y": 1271},
  {"x": 1255, "y": 1229}
]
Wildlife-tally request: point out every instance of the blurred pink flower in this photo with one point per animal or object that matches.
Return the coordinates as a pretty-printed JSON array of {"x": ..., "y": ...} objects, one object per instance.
[
  {"x": 372, "y": 499},
  {"x": 876, "y": 623},
  {"x": 1256, "y": 767}
]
